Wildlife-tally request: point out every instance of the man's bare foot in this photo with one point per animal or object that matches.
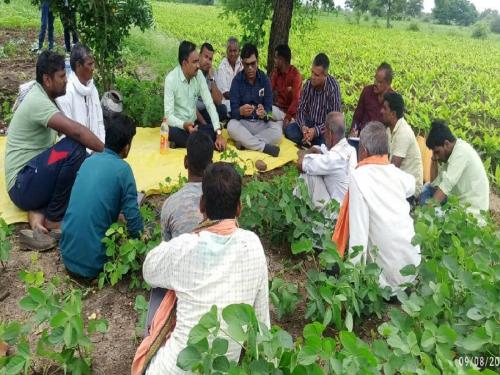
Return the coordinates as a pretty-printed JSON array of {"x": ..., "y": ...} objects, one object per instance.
[
  {"x": 49, "y": 224},
  {"x": 37, "y": 221}
]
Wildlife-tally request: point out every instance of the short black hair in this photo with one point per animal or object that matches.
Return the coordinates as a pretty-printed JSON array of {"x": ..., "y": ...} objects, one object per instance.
[
  {"x": 185, "y": 49},
  {"x": 206, "y": 46},
  {"x": 439, "y": 133},
  {"x": 120, "y": 129},
  {"x": 221, "y": 188},
  {"x": 322, "y": 60},
  {"x": 284, "y": 52},
  {"x": 78, "y": 54},
  {"x": 389, "y": 73},
  {"x": 249, "y": 50},
  {"x": 200, "y": 150},
  {"x": 48, "y": 62},
  {"x": 396, "y": 103}
]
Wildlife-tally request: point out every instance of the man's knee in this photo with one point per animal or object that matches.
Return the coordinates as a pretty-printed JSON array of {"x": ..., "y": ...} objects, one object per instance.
[{"x": 232, "y": 127}]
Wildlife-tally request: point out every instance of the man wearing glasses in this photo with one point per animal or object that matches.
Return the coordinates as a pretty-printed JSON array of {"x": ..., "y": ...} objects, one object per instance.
[{"x": 251, "y": 97}]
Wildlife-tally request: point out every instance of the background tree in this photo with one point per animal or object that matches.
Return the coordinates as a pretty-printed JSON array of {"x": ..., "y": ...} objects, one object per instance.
[
  {"x": 414, "y": 8},
  {"x": 253, "y": 15},
  {"x": 460, "y": 12},
  {"x": 103, "y": 25}
]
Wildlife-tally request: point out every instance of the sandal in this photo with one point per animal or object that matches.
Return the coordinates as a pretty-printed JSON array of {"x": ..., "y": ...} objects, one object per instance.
[{"x": 35, "y": 240}]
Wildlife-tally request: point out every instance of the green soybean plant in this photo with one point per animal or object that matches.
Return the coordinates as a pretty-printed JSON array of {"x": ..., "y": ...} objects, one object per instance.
[{"x": 56, "y": 319}]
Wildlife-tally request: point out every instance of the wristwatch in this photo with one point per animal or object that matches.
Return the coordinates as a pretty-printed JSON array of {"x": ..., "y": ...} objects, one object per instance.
[{"x": 218, "y": 132}]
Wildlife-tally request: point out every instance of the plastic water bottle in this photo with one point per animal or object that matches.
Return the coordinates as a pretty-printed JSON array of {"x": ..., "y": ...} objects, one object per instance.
[{"x": 164, "y": 136}]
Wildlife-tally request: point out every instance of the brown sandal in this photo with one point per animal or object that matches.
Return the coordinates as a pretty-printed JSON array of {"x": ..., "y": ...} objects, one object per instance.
[{"x": 35, "y": 240}]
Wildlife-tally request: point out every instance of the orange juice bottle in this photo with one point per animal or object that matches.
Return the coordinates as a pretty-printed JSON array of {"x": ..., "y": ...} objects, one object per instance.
[{"x": 164, "y": 136}]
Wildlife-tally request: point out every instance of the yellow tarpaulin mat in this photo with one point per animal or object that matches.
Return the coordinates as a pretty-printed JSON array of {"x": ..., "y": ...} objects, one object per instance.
[{"x": 151, "y": 168}]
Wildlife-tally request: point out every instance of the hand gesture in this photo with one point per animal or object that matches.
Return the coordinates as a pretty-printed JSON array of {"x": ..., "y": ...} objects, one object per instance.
[{"x": 246, "y": 110}]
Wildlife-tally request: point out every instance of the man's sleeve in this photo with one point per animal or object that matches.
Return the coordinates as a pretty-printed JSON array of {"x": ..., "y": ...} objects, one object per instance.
[
  {"x": 207, "y": 100},
  {"x": 321, "y": 164},
  {"x": 360, "y": 110},
  {"x": 165, "y": 220},
  {"x": 359, "y": 221},
  {"x": 268, "y": 95},
  {"x": 303, "y": 105},
  {"x": 454, "y": 171},
  {"x": 261, "y": 305},
  {"x": 337, "y": 98},
  {"x": 296, "y": 86},
  {"x": 222, "y": 80},
  {"x": 169, "y": 102},
  {"x": 234, "y": 97},
  {"x": 63, "y": 102},
  {"x": 129, "y": 205},
  {"x": 401, "y": 145},
  {"x": 274, "y": 77},
  {"x": 157, "y": 268}
]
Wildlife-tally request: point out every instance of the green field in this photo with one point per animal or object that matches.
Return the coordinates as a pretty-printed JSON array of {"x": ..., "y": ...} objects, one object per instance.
[{"x": 441, "y": 72}]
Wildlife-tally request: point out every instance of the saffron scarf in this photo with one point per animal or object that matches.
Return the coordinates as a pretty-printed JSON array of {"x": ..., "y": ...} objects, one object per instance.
[{"x": 341, "y": 231}]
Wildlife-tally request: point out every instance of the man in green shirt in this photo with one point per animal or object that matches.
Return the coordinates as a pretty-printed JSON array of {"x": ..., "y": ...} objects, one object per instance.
[
  {"x": 38, "y": 171},
  {"x": 460, "y": 173},
  {"x": 183, "y": 86}
]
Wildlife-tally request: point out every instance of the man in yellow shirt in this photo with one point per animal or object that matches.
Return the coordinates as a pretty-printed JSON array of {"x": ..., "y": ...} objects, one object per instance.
[{"x": 461, "y": 171}]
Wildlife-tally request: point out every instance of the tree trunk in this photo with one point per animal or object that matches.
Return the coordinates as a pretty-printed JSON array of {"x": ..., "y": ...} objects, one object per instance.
[
  {"x": 280, "y": 29},
  {"x": 389, "y": 14}
]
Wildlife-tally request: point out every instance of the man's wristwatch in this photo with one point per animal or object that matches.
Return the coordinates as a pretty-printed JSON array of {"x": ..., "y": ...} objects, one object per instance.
[{"x": 218, "y": 132}]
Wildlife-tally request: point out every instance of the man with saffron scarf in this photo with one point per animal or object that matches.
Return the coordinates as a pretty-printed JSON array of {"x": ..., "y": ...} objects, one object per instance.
[
  {"x": 375, "y": 213},
  {"x": 218, "y": 264}
]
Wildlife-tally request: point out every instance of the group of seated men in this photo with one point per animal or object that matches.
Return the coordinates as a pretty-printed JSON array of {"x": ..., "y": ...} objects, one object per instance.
[{"x": 71, "y": 167}]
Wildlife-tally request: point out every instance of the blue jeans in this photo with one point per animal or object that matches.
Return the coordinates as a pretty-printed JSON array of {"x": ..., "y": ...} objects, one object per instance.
[
  {"x": 180, "y": 136},
  {"x": 47, "y": 21},
  {"x": 45, "y": 183},
  {"x": 294, "y": 133}
]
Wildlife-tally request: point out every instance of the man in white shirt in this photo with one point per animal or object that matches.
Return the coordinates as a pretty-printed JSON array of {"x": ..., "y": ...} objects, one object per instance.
[
  {"x": 379, "y": 214},
  {"x": 228, "y": 68},
  {"x": 219, "y": 264},
  {"x": 326, "y": 169},
  {"x": 81, "y": 102}
]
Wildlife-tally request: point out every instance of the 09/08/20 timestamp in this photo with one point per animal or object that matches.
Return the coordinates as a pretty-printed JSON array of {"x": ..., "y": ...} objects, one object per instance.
[{"x": 479, "y": 361}]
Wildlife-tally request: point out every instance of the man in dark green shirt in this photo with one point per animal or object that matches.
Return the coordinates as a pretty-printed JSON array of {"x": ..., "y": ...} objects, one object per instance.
[{"x": 104, "y": 187}]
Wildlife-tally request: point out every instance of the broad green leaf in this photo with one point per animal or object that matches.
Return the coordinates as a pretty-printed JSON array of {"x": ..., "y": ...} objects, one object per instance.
[
  {"x": 219, "y": 346},
  {"x": 188, "y": 358},
  {"x": 221, "y": 363}
]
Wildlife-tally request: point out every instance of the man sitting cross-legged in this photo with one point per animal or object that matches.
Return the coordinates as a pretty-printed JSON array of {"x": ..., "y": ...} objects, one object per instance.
[
  {"x": 183, "y": 86},
  {"x": 375, "y": 213},
  {"x": 326, "y": 169},
  {"x": 218, "y": 264},
  {"x": 39, "y": 172},
  {"x": 181, "y": 211},
  {"x": 105, "y": 186},
  {"x": 321, "y": 95},
  {"x": 251, "y": 104}
]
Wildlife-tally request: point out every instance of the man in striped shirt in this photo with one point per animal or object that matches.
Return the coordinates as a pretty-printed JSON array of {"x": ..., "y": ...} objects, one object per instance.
[{"x": 321, "y": 96}]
